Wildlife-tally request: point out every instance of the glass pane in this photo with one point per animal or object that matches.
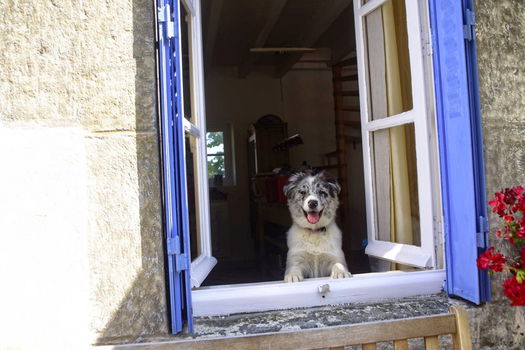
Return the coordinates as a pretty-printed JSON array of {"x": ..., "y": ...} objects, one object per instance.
[
  {"x": 389, "y": 79},
  {"x": 186, "y": 66},
  {"x": 216, "y": 166},
  {"x": 193, "y": 199},
  {"x": 396, "y": 201},
  {"x": 214, "y": 142}
]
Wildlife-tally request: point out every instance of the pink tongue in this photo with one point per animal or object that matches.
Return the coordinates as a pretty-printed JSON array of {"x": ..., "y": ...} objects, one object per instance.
[{"x": 312, "y": 217}]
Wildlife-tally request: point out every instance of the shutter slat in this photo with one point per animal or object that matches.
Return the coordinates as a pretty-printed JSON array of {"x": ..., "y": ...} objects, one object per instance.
[
  {"x": 459, "y": 143},
  {"x": 176, "y": 223}
]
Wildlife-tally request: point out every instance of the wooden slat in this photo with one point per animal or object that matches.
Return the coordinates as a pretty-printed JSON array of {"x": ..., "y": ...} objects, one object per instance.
[
  {"x": 461, "y": 339},
  {"x": 315, "y": 338},
  {"x": 331, "y": 154},
  {"x": 351, "y": 108},
  {"x": 347, "y": 93},
  {"x": 348, "y": 62},
  {"x": 432, "y": 343},
  {"x": 338, "y": 348},
  {"x": 352, "y": 77},
  {"x": 330, "y": 166},
  {"x": 351, "y": 139},
  {"x": 353, "y": 123},
  {"x": 369, "y": 346},
  {"x": 401, "y": 344}
]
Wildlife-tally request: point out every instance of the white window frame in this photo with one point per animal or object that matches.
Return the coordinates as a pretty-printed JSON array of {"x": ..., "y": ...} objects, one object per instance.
[
  {"x": 425, "y": 255},
  {"x": 202, "y": 264},
  {"x": 228, "y": 299}
]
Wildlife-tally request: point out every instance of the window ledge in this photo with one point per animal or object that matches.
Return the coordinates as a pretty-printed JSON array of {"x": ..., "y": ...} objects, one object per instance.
[{"x": 300, "y": 319}]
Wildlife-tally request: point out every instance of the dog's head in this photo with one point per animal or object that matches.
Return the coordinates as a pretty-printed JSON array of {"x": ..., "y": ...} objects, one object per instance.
[{"x": 312, "y": 198}]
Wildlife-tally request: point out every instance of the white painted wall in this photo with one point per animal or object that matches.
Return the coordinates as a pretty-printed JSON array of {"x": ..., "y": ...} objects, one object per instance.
[
  {"x": 43, "y": 240},
  {"x": 309, "y": 111}
]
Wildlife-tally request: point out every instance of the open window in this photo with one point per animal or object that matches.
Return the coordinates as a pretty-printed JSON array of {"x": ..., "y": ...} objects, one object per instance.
[
  {"x": 350, "y": 92},
  {"x": 397, "y": 134}
]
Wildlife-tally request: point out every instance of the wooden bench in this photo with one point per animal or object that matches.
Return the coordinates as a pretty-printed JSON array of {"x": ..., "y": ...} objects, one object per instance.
[{"x": 368, "y": 335}]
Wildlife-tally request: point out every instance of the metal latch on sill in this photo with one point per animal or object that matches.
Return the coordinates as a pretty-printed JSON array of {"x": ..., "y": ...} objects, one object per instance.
[
  {"x": 181, "y": 259},
  {"x": 323, "y": 289}
]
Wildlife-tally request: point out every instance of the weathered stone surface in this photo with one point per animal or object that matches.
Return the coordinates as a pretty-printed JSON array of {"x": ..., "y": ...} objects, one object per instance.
[
  {"x": 500, "y": 33},
  {"x": 125, "y": 250},
  {"x": 91, "y": 65},
  {"x": 78, "y": 63}
]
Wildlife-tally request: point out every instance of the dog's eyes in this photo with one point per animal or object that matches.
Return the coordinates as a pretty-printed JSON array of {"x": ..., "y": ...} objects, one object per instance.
[
  {"x": 323, "y": 194},
  {"x": 302, "y": 193}
]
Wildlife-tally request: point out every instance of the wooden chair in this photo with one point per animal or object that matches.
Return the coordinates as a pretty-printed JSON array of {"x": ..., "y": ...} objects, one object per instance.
[{"x": 367, "y": 335}]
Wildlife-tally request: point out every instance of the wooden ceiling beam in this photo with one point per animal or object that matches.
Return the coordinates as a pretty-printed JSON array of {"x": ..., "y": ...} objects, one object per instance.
[
  {"x": 272, "y": 15},
  {"x": 212, "y": 26},
  {"x": 333, "y": 9}
]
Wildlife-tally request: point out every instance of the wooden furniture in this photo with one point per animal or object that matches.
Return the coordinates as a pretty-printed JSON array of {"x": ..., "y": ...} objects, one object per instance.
[
  {"x": 398, "y": 331},
  {"x": 266, "y": 133},
  {"x": 345, "y": 102},
  {"x": 263, "y": 156},
  {"x": 276, "y": 213}
]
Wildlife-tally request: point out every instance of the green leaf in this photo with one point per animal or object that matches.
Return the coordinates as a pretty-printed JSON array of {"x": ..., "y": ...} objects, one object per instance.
[{"x": 520, "y": 275}]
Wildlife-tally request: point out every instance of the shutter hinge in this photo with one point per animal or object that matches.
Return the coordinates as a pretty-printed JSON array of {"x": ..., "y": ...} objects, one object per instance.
[
  {"x": 483, "y": 229},
  {"x": 181, "y": 259},
  {"x": 164, "y": 17},
  {"x": 181, "y": 262},
  {"x": 173, "y": 246},
  {"x": 468, "y": 27}
]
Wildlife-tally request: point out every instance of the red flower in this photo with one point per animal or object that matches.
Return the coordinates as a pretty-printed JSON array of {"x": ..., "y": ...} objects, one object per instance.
[
  {"x": 509, "y": 204},
  {"x": 515, "y": 291},
  {"x": 484, "y": 260},
  {"x": 495, "y": 262}
]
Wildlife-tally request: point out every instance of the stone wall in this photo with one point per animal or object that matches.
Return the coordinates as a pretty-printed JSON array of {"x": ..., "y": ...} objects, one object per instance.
[
  {"x": 500, "y": 34},
  {"x": 78, "y": 98}
]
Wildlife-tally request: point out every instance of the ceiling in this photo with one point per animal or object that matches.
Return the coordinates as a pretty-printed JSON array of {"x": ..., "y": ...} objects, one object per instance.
[{"x": 232, "y": 27}]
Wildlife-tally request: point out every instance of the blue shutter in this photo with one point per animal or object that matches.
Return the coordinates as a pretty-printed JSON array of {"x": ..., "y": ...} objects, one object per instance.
[
  {"x": 176, "y": 223},
  {"x": 460, "y": 147}
]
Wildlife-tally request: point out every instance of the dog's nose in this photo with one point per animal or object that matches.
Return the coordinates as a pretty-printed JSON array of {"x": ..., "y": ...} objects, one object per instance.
[{"x": 312, "y": 204}]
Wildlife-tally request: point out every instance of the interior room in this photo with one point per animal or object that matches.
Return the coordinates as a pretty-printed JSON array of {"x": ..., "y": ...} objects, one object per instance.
[{"x": 281, "y": 95}]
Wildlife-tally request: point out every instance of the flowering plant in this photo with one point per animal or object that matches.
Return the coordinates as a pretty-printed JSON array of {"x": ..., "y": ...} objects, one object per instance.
[{"x": 509, "y": 204}]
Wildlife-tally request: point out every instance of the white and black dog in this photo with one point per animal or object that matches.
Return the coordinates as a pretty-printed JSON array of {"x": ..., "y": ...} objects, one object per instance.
[{"x": 314, "y": 240}]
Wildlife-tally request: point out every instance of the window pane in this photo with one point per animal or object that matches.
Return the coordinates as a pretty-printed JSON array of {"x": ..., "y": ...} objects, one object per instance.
[
  {"x": 216, "y": 166},
  {"x": 214, "y": 142},
  {"x": 396, "y": 201},
  {"x": 186, "y": 66},
  {"x": 389, "y": 79},
  {"x": 193, "y": 199}
]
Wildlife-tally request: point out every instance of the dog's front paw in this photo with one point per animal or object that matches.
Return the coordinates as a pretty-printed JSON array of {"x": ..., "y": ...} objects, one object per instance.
[
  {"x": 339, "y": 271},
  {"x": 293, "y": 277}
]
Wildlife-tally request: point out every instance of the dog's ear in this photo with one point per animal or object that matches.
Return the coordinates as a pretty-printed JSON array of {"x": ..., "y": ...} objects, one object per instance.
[
  {"x": 333, "y": 185},
  {"x": 292, "y": 183}
]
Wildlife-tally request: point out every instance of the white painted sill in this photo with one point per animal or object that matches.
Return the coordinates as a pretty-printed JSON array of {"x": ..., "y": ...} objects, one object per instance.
[{"x": 362, "y": 288}]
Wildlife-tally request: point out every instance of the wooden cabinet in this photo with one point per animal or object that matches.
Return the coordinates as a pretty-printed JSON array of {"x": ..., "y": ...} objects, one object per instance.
[{"x": 265, "y": 134}]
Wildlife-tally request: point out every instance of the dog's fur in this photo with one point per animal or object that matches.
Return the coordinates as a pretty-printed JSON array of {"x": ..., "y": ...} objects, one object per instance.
[{"x": 314, "y": 240}]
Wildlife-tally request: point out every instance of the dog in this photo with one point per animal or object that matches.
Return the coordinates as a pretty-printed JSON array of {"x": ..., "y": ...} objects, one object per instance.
[{"x": 314, "y": 239}]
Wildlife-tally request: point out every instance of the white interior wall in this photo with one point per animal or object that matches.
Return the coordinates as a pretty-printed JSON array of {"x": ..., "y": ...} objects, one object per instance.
[
  {"x": 240, "y": 102},
  {"x": 309, "y": 111}
]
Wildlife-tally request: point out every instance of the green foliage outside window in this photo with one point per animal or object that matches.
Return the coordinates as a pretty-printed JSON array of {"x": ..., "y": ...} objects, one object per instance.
[{"x": 215, "y": 151}]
